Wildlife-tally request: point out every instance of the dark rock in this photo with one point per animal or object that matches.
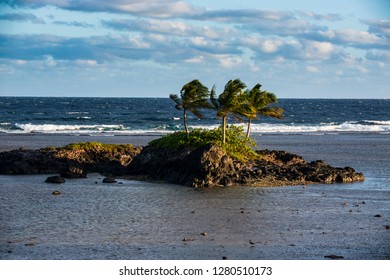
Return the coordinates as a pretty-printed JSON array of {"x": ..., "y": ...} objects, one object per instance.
[
  {"x": 186, "y": 239},
  {"x": 205, "y": 166},
  {"x": 387, "y": 226},
  {"x": 55, "y": 180},
  {"x": 378, "y": 216},
  {"x": 334, "y": 257},
  {"x": 202, "y": 167},
  {"x": 109, "y": 180},
  {"x": 69, "y": 163},
  {"x": 209, "y": 166},
  {"x": 29, "y": 162}
]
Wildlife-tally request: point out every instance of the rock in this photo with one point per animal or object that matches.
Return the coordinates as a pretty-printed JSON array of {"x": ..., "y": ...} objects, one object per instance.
[
  {"x": 73, "y": 162},
  {"x": 334, "y": 257},
  {"x": 378, "y": 216},
  {"x": 387, "y": 226},
  {"x": 205, "y": 166},
  {"x": 204, "y": 234},
  {"x": 20, "y": 161},
  {"x": 209, "y": 166},
  {"x": 186, "y": 239},
  {"x": 55, "y": 180},
  {"x": 109, "y": 180},
  {"x": 56, "y": 193}
]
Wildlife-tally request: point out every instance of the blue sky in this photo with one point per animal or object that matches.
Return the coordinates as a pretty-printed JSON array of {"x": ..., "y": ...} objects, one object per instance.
[{"x": 150, "y": 48}]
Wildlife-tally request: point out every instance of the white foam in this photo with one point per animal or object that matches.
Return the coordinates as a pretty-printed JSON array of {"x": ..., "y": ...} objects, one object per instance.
[
  {"x": 54, "y": 128},
  {"x": 380, "y": 127},
  {"x": 292, "y": 128}
]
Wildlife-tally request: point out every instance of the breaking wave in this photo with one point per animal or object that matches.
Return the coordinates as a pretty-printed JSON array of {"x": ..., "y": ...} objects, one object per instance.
[{"x": 292, "y": 128}]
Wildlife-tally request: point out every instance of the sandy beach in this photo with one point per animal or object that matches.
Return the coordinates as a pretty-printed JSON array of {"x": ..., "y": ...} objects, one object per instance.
[{"x": 141, "y": 220}]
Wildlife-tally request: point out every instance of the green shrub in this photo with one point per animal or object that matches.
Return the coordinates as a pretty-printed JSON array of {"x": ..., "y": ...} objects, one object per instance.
[{"x": 237, "y": 145}]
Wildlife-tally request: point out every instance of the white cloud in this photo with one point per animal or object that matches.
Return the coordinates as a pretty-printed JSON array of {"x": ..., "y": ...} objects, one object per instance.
[
  {"x": 197, "y": 59},
  {"x": 271, "y": 45},
  {"x": 312, "y": 69},
  {"x": 86, "y": 62},
  {"x": 154, "y": 8},
  {"x": 314, "y": 50},
  {"x": 227, "y": 61}
]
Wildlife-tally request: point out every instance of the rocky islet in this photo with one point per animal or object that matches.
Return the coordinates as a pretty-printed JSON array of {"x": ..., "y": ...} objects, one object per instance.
[{"x": 205, "y": 166}]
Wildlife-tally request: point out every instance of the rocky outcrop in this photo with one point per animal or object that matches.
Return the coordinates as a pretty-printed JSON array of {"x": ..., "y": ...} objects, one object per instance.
[
  {"x": 209, "y": 166},
  {"x": 30, "y": 162},
  {"x": 206, "y": 166},
  {"x": 70, "y": 163},
  {"x": 202, "y": 167}
]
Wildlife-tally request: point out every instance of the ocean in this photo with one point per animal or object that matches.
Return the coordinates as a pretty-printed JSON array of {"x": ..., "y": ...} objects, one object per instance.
[
  {"x": 117, "y": 116},
  {"x": 144, "y": 220}
]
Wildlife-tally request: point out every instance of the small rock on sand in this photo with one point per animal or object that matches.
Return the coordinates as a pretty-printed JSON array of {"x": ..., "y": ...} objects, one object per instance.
[
  {"x": 109, "y": 180},
  {"x": 334, "y": 257},
  {"x": 55, "y": 180}
]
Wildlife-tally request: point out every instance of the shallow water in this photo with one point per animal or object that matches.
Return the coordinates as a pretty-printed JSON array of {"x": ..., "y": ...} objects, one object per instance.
[{"x": 140, "y": 220}]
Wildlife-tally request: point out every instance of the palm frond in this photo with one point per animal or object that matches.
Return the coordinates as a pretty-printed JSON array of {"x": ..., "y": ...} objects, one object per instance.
[
  {"x": 214, "y": 99},
  {"x": 273, "y": 112},
  {"x": 197, "y": 112},
  {"x": 175, "y": 98}
]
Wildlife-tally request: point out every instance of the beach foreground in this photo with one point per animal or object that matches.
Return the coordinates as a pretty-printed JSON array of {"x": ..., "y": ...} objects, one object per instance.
[{"x": 141, "y": 220}]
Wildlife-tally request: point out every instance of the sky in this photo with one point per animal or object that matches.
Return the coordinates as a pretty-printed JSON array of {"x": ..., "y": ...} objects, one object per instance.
[{"x": 151, "y": 48}]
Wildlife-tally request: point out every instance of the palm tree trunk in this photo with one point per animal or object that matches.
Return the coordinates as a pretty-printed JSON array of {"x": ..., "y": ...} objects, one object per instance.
[
  {"x": 224, "y": 119},
  {"x": 248, "y": 131},
  {"x": 185, "y": 121}
]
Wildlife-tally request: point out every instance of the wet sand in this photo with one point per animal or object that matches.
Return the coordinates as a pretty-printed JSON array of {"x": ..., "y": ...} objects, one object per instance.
[{"x": 140, "y": 220}]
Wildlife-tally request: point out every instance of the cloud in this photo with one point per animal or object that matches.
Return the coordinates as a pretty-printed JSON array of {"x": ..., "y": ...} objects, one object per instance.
[
  {"x": 33, "y": 47},
  {"x": 276, "y": 48},
  {"x": 157, "y": 48},
  {"x": 379, "y": 56},
  {"x": 153, "y": 8},
  {"x": 333, "y": 17},
  {"x": 379, "y": 27},
  {"x": 73, "y": 23},
  {"x": 170, "y": 27},
  {"x": 22, "y": 17}
]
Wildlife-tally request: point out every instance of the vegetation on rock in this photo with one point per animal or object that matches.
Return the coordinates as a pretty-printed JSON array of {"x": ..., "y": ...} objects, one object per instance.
[{"x": 236, "y": 146}]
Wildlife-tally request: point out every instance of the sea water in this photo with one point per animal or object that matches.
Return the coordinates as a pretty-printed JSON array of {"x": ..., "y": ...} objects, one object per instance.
[{"x": 158, "y": 115}]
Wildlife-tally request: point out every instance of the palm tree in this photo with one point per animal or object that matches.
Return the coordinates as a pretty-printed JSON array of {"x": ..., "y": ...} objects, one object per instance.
[
  {"x": 193, "y": 97},
  {"x": 260, "y": 100},
  {"x": 230, "y": 101}
]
